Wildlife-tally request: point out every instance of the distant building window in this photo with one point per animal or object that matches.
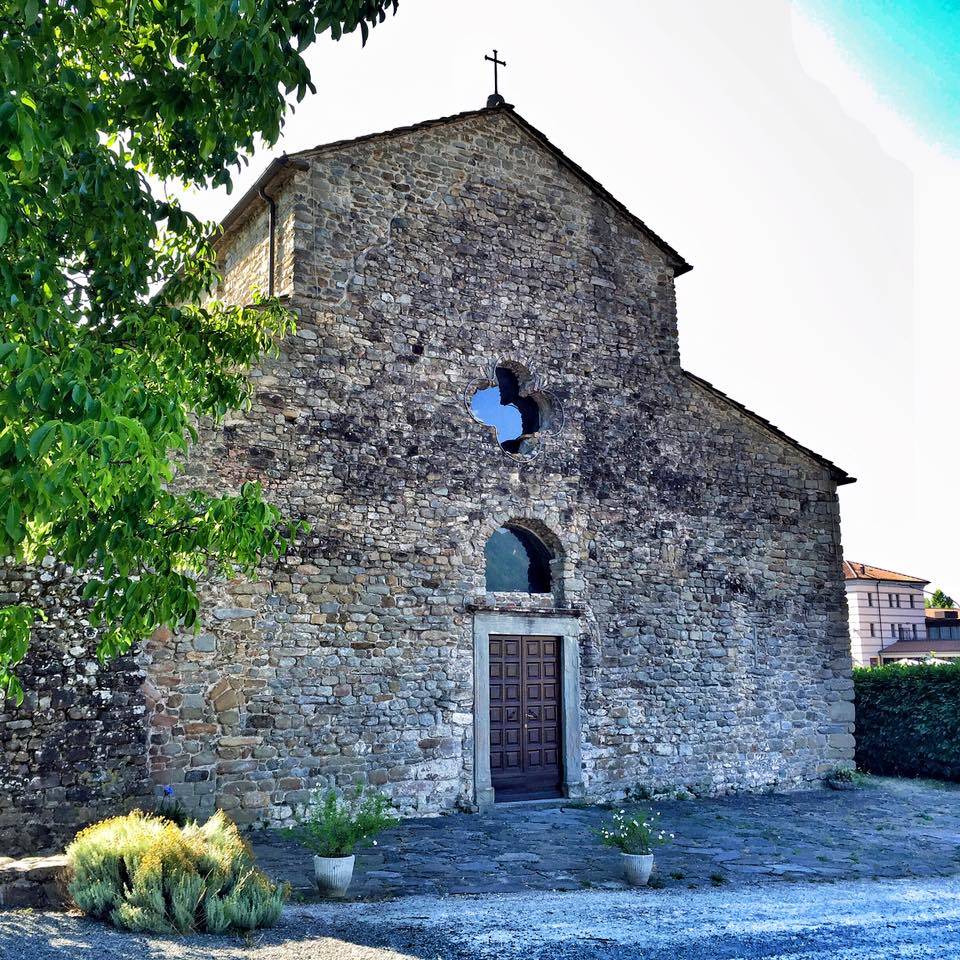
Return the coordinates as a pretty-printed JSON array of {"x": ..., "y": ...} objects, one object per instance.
[
  {"x": 934, "y": 633},
  {"x": 869, "y": 599},
  {"x": 893, "y": 630},
  {"x": 873, "y": 629},
  {"x": 897, "y": 597},
  {"x": 889, "y": 599},
  {"x": 913, "y": 627},
  {"x": 912, "y": 598}
]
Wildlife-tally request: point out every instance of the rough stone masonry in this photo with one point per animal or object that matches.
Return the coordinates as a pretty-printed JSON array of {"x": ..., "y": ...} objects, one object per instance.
[{"x": 695, "y": 546}]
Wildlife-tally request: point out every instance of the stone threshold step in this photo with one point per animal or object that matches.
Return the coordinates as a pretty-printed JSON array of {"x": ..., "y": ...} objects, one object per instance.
[{"x": 549, "y": 803}]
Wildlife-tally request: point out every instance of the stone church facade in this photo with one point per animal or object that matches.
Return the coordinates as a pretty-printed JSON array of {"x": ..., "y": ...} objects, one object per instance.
[{"x": 643, "y": 587}]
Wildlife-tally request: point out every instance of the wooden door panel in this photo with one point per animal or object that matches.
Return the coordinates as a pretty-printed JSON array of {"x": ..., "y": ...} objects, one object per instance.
[{"x": 525, "y": 716}]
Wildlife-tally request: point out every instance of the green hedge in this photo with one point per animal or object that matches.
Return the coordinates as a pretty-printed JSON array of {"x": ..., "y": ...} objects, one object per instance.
[{"x": 908, "y": 720}]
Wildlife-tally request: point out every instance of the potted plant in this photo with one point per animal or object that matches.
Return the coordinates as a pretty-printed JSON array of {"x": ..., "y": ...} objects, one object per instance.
[
  {"x": 334, "y": 826},
  {"x": 844, "y": 778},
  {"x": 634, "y": 834}
]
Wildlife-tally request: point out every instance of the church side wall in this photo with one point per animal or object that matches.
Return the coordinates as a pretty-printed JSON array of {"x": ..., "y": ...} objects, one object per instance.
[
  {"x": 730, "y": 670},
  {"x": 700, "y": 552},
  {"x": 244, "y": 249}
]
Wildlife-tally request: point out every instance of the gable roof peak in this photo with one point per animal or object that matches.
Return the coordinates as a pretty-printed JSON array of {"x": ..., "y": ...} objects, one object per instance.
[{"x": 495, "y": 106}]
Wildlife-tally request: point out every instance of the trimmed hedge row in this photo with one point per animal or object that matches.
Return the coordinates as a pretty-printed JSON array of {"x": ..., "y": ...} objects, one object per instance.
[{"x": 908, "y": 720}]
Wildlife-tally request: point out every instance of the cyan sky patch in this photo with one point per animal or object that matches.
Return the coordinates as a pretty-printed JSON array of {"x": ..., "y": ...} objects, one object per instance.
[{"x": 909, "y": 51}]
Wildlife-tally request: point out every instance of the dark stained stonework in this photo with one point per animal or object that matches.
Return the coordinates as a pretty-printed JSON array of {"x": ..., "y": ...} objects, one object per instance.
[
  {"x": 75, "y": 750},
  {"x": 699, "y": 548}
]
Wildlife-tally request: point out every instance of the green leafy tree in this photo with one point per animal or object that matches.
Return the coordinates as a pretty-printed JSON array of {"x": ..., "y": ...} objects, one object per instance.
[
  {"x": 109, "y": 349},
  {"x": 939, "y": 599}
]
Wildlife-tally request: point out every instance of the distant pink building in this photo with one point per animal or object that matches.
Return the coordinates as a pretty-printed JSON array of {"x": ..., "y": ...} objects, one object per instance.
[{"x": 886, "y": 614}]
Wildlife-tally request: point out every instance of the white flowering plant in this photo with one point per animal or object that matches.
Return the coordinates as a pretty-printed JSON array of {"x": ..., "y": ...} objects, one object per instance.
[{"x": 635, "y": 832}]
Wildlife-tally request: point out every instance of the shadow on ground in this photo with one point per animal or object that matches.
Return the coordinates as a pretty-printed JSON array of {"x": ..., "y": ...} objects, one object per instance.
[{"x": 858, "y": 920}]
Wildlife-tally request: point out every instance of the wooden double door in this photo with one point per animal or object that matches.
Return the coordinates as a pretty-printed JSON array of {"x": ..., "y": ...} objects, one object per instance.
[{"x": 525, "y": 717}]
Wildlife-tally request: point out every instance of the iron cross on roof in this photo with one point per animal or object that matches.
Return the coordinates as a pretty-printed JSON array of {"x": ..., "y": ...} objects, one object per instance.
[{"x": 495, "y": 100}]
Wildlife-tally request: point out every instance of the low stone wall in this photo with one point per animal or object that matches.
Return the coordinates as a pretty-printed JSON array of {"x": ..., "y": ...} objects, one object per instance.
[{"x": 39, "y": 882}]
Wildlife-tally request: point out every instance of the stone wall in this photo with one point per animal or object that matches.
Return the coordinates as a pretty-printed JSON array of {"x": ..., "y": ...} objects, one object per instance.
[
  {"x": 702, "y": 550},
  {"x": 75, "y": 750}
]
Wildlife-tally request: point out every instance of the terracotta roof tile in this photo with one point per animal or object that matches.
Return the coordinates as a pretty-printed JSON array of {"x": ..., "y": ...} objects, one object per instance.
[
  {"x": 937, "y": 615},
  {"x": 863, "y": 571}
]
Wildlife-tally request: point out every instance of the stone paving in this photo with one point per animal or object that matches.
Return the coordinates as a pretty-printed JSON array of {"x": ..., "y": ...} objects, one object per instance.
[{"x": 890, "y": 828}]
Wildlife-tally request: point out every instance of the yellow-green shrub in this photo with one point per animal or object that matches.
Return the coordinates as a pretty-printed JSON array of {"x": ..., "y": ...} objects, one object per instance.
[{"x": 144, "y": 873}]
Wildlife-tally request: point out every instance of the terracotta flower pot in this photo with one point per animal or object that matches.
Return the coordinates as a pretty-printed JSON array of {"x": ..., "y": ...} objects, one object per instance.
[
  {"x": 333, "y": 874},
  {"x": 637, "y": 867}
]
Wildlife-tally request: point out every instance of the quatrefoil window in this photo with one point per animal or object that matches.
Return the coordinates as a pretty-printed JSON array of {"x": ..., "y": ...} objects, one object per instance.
[{"x": 510, "y": 404}]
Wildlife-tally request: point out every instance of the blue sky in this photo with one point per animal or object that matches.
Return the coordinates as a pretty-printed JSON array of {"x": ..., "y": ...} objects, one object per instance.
[
  {"x": 486, "y": 406},
  {"x": 909, "y": 51}
]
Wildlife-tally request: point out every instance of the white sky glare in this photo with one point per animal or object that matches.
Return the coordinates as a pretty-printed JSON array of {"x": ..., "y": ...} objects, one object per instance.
[{"x": 820, "y": 224}]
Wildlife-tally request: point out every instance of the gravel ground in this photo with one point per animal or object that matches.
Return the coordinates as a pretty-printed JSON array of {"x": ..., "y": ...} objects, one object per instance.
[{"x": 859, "y": 920}]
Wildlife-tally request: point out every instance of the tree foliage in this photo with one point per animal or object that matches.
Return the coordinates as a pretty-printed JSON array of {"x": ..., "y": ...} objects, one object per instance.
[
  {"x": 109, "y": 348},
  {"x": 939, "y": 600}
]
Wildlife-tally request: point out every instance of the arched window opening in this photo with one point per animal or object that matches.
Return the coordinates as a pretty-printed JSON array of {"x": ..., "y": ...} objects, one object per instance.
[
  {"x": 516, "y": 418},
  {"x": 517, "y": 562}
]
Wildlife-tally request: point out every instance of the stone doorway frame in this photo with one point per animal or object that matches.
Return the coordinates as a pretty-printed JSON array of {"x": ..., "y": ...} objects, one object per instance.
[{"x": 533, "y": 624}]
